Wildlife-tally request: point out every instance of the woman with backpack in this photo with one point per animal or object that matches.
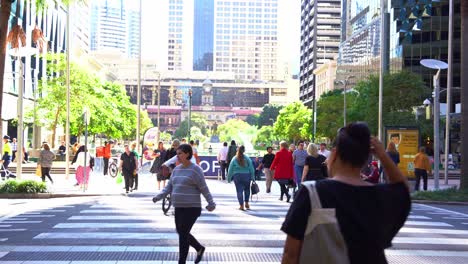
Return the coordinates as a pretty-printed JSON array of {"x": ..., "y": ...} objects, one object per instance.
[
  {"x": 241, "y": 171},
  {"x": 353, "y": 221}
]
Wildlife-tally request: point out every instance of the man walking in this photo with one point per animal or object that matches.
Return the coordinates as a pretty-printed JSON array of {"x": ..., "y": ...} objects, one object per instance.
[
  {"x": 299, "y": 157},
  {"x": 128, "y": 166},
  {"x": 266, "y": 163},
  {"x": 323, "y": 150},
  {"x": 222, "y": 156},
  {"x": 107, "y": 155},
  {"x": 6, "y": 155},
  {"x": 14, "y": 149},
  {"x": 232, "y": 151}
]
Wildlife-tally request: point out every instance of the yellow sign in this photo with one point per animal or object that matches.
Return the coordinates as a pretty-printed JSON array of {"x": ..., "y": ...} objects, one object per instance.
[{"x": 407, "y": 143}]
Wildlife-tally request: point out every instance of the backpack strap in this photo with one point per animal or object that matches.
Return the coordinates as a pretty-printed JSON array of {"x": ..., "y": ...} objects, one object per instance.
[{"x": 313, "y": 195}]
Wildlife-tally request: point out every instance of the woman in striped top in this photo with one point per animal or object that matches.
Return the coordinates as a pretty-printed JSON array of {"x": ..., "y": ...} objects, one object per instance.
[{"x": 186, "y": 184}]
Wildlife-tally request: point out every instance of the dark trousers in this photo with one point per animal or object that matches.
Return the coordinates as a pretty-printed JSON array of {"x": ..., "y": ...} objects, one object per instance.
[
  {"x": 135, "y": 182},
  {"x": 185, "y": 218},
  {"x": 420, "y": 173},
  {"x": 242, "y": 181},
  {"x": 106, "y": 165},
  {"x": 128, "y": 177},
  {"x": 13, "y": 156},
  {"x": 284, "y": 188},
  {"x": 223, "y": 168},
  {"x": 46, "y": 172},
  {"x": 5, "y": 167}
]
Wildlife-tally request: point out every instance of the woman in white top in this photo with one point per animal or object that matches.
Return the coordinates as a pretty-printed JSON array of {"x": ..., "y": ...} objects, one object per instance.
[{"x": 82, "y": 173}]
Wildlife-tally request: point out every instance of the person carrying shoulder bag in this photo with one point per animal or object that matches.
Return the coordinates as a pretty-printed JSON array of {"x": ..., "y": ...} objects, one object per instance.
[{"x": 242, "y": 172}]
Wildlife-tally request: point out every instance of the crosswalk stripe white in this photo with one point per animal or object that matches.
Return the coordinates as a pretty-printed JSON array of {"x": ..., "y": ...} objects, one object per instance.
[
  {"x": 33, "y": 216},
  {"x": 456, "y": 218},
  {"x": 433, "y": 231},
  {"x": 20, "y": 222},
  {"x": 17, "y": 218},
  {"x": 5, "y": 225},
  {"x": 3, "y": 239},
  {"x": 13, "y": 230},
  {"x": 429, "y": 253},
  {"x": 418, "y": 217},
  {"x": 155, "y": 236},
  {"x": 430, "y": 240},
  {"x": 428, "y": 207},
  {"x": 245, "y": 218},
  {"x": 127, "y": 262},
  {"x": 426, "y": 223},
  {"x": 170, "y": 224},
  {"x": 216, "y": 212}
]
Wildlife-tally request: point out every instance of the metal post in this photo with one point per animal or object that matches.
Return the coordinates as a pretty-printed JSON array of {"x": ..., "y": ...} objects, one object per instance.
[
  {"x": 382, "y": 65},
  {"x": 85, "y": 119},
  {"x": 139, "y": 86},
  {"x": 159, "y": 107},
  {"x": 67, "y": 124},
  {"x": 20, "y": 142},
  {"x": 436, "y": 129},
  {"x": 189, "y": 113},
  {"x": 315, "y": 119},
  {"x": 344, "y": 103},
  {"x": 449, "y": 92}
]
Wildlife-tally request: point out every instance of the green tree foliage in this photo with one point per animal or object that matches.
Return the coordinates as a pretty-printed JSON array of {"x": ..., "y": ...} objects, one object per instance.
[
  {"x": 268, "y": 115},
  {"x": 112, "y": 114},
  {"x": 265, "y": 135},
  {"x": 253, "y": 119},
  {"x": 238, "y": 130},
  {"x": 197, "y": 120},
  {"x": 293, "y": 123},
  {"x": 165, "y": 137}
]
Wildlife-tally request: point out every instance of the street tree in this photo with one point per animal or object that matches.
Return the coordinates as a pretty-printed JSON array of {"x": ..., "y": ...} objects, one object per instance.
[
  {"x": 266, "y": 135},
  {"x": 238, "y": 130},
  {"x": 197, "y": 120},
  {"x": 253, "y": 119},
  {"x": 293, "y": 123},
  {"x": 269, "y": 114}
]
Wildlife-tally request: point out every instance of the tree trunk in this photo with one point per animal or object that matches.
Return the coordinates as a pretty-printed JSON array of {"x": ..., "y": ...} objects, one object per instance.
[
  {"x": 464, "y": 95},
  {"x": 54, "y": 127},
  {"x": 5, "y": 10}
]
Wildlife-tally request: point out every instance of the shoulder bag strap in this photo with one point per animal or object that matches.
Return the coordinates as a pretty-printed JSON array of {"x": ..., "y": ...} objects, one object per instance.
[{"x": 314, "y": 198}]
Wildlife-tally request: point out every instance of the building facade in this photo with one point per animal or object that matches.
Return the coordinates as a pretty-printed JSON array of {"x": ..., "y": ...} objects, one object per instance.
[
  {"x": 320, "y": 40},
  {"x": 325, "y": 76},
  {"x": 203, "y": 28}
]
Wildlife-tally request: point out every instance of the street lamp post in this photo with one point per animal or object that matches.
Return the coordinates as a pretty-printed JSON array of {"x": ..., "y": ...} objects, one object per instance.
[
  {"x": 449, "y": 92},
  {"x": 345, "y": 84},
  {"x": 436, "y": 65},
  {"x": 139, "y": 84},
  {"x": 158, "y": 136},
  {"x": 189, "y": 112}
]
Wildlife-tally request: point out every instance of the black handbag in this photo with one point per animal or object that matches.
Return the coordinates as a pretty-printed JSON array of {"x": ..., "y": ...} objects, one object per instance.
[{"x": 254, "y": 188}]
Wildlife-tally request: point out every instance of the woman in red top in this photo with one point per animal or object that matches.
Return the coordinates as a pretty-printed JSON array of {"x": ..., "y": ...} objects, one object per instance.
[{"x": 283, "y": 169}]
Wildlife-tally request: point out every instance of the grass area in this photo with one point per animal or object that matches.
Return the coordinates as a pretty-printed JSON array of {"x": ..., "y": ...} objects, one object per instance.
[{"x": 447, "y": 195}]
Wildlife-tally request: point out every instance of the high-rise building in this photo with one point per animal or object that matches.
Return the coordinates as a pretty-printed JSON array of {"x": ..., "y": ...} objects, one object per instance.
[
  {"x": 203, "y": 29},
  {"x": 320, "y": 39},
  {"x": 114, "y": 26},
  {"x": 80, "y": 27}
]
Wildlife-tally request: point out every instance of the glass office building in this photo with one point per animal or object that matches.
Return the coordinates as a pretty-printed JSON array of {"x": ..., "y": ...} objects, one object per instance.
[{"x": 203, "y": 27}]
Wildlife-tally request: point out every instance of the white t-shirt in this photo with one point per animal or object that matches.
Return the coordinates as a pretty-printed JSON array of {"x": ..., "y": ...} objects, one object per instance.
[{"x": 325, "y": 153}]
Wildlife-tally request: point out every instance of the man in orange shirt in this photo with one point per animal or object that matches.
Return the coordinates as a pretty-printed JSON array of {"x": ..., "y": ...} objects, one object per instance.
[
  {"x": 421, "y": 167},
  {"x": 107, "y": 155}
]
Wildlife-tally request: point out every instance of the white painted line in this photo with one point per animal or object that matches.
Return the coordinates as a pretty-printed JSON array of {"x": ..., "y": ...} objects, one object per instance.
[
  {"x": 437, "y": 213},
  {"x": 156, "y": 236},
  {"x": 5, "y": 225},
  {"x": 136, "y": 249},
  {"x": 426, "y": 253},
  {"x": 425, "y": 223},
  {"x": 433, "y": 231},
  {"x": 2, "y": 254},
  {"x": 168, "y": 224},
  {"x": 245, "y": 218},
  {"x": 430, "y": 240},
  {"x": 16, "y": 218},
  {"x": 456, "y": 218},
  {"x": 3, "y": 239},
  {"x": 216, "y": 212},
  {"x": 445, "y": 210},
  {"x": 464, "y": 223},
  {"x": 37, "y": 216},
  {"x": 13, "y": 230},
  {"x": 20, "y": 222},
  {"x": 418, "y": 217}
]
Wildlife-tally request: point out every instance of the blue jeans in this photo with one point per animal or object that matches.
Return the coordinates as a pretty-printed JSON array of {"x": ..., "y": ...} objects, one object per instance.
[
  {"x": 242, "y": 181},
  {"x": 298, "y": 170}
]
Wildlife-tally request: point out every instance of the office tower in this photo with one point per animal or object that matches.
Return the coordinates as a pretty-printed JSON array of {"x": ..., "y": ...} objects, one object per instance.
[
  {"x": 133, "y": 33},
  {"x": 320, "y": 39},
  {"x": 203, "y": 29}
]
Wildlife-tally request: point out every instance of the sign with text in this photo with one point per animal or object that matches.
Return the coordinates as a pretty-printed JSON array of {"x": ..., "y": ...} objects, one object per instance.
[
  {"x": 210, "y": 165},
  {"x": 406, "y": 140}
]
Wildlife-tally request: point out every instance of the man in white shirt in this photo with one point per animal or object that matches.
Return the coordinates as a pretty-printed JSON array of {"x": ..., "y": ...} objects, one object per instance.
[
  {"x": 222, "y": 156},
  {"x": 323, "y": 150}
]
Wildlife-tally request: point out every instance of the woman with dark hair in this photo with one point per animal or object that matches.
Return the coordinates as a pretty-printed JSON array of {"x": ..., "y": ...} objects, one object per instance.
[
  {"x": 46, "y": 157},
  {"x": 242, "y": 171},
  {"x": 186, "y": 184},
  {"x": 82, "y": 171},
  {"x": 362, "y": 218},
  {"x": 282, "y": 167},
  {"x": 160, "y": 156}
]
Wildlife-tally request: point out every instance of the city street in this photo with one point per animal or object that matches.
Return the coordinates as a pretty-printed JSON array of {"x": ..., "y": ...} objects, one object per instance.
[{"x": 131, "y": 229}]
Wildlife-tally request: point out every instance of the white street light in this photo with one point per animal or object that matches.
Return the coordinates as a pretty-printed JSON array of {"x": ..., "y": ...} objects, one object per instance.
[
  {"x": 436, "y": 65},
  {"x": 345, "y": 83}
]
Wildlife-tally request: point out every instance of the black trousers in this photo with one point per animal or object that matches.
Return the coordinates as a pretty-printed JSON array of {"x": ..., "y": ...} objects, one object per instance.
[
  {"x": 6, "y": 162},
  {"x": 106, "y": 165},
  {"x": 185, "y": 218},
  {"x": 284, "y": 189},
  {"x": 135, "y": 182},
  {"x": 128, "y": 177},
  {"x": 420, "y": 173},
  {"x": 223, "y": 168},
  {"x": 46, "y": 172}
]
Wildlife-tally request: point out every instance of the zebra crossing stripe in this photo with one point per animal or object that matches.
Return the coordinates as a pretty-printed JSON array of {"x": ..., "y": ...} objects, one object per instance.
[
  {"x": 426, "y": 223},
  {"x": 149, "y": 217},
  {"x": 433, "y": 231},
  {"x": 427, "y": 253},
  {"x": 216, "y": 212},
  {"x": 13, "y": 230},
  {"x": 430, "y": 240},
  {"x": 34, "y": 215},
  {"x": 436, "y": 209},
  {"x": 5, "y": 225},
  {"x": 197, "y": 226},
  {"x": 20, "y": 222}
]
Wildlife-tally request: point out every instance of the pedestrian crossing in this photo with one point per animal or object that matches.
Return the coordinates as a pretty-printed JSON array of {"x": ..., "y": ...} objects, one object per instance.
[{"x": 122, "y": 229}]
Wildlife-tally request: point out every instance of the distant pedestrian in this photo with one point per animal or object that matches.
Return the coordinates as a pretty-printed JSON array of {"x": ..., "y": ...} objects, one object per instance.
[
  {"x": 222, "y": 159},
  {"x": 315, "y": 168},
  {"x": 292, "y": 148},
  {"x": 266, "y": 163},
  {"x": 46, "y": 157},
  {"x": 160, "y": 155},
  {"x": 134, "y": 182},
  {"x": 421, "y": 167},
  {"x": 82, "y": 171},
  {"x": 373, "y": 175},
  {"x": 6, "y": 155},
  {"x": 299, "y": 157},
  {"x": 323, "y": 150},
  {"x": 195, "y": 151},
  {"x": 128, "y": 166},
  {"x": 232, "y": 150},
  {"x": 392, "y": 152},
  {"x": 242, "y": 172},
  {"x": 282, "y": 167},
  {"x": 345, "y": 219},
  {"x": 14, "y": 149},
  {"x": 186, "y": 184},
  {"x": 106, "y": 155}
]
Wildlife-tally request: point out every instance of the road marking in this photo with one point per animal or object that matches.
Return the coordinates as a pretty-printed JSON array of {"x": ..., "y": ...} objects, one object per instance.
[
  {"x": 425, "y": 223},
  {"x": 156, "y": 236},
  {"x": 2, "y": 254},
  {"x": 3, "y": 239},
  {"x": 430, "y": 240},
  {"x": 418, "y": 217},
  {"x": 201, "y": 218},
  {"x": 445, "y": 210},
  {"x": 17, "y": 218},
  {"x": 5, "y": 225},
  {"x": 456, "y": 218},
  {"x": 32, "y": 216},
  {"x": 221, "y": 212},
  {"x": 157, "y": 224},
  {"x": 427, "y": 253},
  {"x": 433, "y": 231},
  {"x": 20, "y": 222},
  {"x": 13, "y": 230}
]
